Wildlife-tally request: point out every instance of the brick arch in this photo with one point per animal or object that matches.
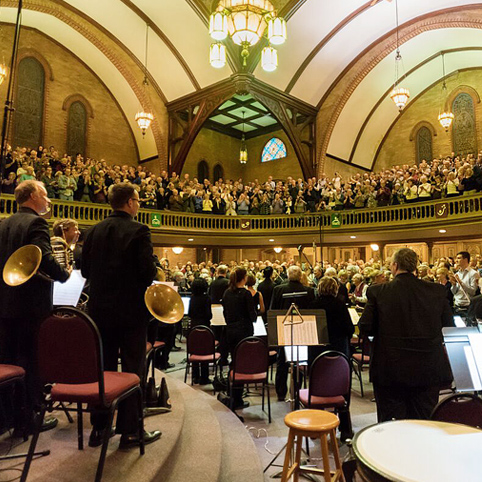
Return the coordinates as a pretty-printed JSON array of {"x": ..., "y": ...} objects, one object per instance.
[
  {"x": 78, "y": 98},
  {"x": 420, "y": 124},
  {"x": 344, "y": 86},
  {"x": 93, "y": 32},
  {"x": 465, "y": 89},
  {"x": 29, "y": 52}
]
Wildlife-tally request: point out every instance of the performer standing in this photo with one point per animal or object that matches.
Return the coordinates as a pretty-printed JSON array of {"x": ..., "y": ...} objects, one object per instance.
[
  {"x": 22, "y": 308},
  {"x": 66, "y": 234},
  {"x": 118, "y": 260},
  {"x": 408, "y": 364}
]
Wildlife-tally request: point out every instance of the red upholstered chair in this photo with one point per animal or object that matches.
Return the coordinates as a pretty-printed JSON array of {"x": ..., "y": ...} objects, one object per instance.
[
  {"x": 250, "y": 367},
  {"x": 361, "y": 359},
  {"x": 330, "y": 386},
  {"x": 201, "y": 348},
  {"x": 70, "y": 362},
  {"x": 463, "y": 408}
]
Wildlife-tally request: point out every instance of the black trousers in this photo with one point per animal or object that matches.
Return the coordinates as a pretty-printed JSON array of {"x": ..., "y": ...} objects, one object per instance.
[
  {"x": 167, "y": 334},
  {"x": 130, "y": 343},
  {"x": 18, "y": 346},
  {"x": 405, "y": 402}
]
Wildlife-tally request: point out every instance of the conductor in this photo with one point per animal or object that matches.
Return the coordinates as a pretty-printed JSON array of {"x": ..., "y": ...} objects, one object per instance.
[{"x": 118, "y": 260}]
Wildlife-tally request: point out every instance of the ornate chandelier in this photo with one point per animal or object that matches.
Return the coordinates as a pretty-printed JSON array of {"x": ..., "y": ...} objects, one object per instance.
[
  {"x": 246, "y": 21},
  {"x": 399, "y": 95},
  {"x": 445, "y": 117},
  {"x": 243, "y": 152},
  {"x": 144, "y": 119}
]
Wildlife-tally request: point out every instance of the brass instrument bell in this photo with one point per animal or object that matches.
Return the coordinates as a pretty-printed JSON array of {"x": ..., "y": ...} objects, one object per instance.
[
  {"x": 22, "y": 265},
  {"x": 160, "y": 275},
  {"x": 164, "y": 303}
]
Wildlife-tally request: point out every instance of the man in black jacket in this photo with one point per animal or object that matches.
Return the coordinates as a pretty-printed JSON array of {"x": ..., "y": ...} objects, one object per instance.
[
  {"x": 118, "y": 260},
  {"x": 218, "y": 285},
  {"x": 278, "y": 302},
  {"x": 408, "y": 364},
  {"x": 22, "y": 308}
]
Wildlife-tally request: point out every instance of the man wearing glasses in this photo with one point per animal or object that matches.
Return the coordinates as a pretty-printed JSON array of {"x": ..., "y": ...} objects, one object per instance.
[{"x": 119, "y": 263}]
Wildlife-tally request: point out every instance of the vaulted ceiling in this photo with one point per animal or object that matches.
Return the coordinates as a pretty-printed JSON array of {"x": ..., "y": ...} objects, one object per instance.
[{"x": 339, "y": 56}]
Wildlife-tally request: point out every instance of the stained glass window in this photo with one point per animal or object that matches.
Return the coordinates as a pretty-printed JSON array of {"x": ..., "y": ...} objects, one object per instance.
[{"x": 274, "y": 149}]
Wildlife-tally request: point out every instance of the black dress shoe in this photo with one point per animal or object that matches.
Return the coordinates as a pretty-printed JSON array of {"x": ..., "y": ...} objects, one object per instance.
[
  {"x": 195, "y": 381},
  {"x": 49, "y": 424},
  {"x": 129, "y": 441},
  {"x": 205, "y": 381},
  {"x": 176, "y": 348},
  {"x": 96, "y": 437},
  {"x": 240, "y": 405}
]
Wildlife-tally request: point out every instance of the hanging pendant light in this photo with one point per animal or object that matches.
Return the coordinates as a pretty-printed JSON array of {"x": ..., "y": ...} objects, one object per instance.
[
  {"x": 217, "y": 55},
  {"x": 269, "y": 59},
  {"x": 243, "y": 152},
  {"x": 277, "y": 30},
  {"x": 399, "y": 95},
  {"x": 445, "y": 117},
  {"x": 143, "y": 118},
  {"x": 218, "y": 26}
]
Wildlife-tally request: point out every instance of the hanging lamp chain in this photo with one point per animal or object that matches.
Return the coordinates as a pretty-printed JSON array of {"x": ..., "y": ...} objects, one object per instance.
[{"x": 145, "y": 55}]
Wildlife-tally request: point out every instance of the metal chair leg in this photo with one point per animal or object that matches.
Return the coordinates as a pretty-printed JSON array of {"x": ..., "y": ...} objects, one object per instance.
[
  {"x": 80, "y": 427},
  {"x": 141, "y": 422},
  {"x": 33, "y": 443},
  {"x": 269, "y": 405},
  {"x": 105, "y": 443}
]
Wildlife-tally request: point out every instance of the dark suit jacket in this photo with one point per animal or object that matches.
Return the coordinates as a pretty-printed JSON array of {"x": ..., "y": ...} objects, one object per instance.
[
  {"x": 475, "y": 308},
  {"x": 34, "y": 298},
  {"x": 217, "y": 288},
  {"x": 118, "y": 260},
  {"x": 280, "y": 303},
  {"x": 406, "y": 317}
]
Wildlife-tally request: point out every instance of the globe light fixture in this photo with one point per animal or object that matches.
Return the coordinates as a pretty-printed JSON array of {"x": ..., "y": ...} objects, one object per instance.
[
  {"x": 177, "y": 250},
  {"x": 269, "y": 59},
  {"x": 399, "y": 95},
  {"x": 445, "y": 117},
  {"x": 374, "y": 247},
  {"x": 217, "y": 55}
]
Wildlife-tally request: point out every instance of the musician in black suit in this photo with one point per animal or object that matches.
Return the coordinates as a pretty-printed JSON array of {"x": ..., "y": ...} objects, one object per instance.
[
  {"x": 118, "y": 261},
  {"x": 408, "y": 363},
  {"x": 293, "y": 285},
  {"x": 219, "y": 285},
  {"x": 22, "y": 308}
]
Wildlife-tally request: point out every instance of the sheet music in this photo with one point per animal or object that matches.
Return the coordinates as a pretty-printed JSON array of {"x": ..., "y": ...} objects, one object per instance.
[
  {"x": 304, "y": 333},
  {"x": 68, "y": 293},
  {"x": 259, "y": 328},
  {"x": 218, "y": 315},
  {"x": 355, "y": 317}
]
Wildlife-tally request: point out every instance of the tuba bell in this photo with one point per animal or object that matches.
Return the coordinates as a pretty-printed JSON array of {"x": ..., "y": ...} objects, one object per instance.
[
  {"x": 22, "y": 265},
  {"x": 164, "y": 303}
]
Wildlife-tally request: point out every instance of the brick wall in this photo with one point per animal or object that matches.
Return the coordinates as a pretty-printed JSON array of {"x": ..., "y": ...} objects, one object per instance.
[{"x": 109, "y": 135}]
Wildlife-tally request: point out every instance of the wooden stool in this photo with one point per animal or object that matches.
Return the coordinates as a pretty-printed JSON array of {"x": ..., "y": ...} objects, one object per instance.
[{"x": 312, "y": 423}]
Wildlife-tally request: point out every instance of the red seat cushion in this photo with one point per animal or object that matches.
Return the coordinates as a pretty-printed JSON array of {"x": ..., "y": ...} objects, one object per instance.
[
  {"x": 358, "y": 358},
  {"x": 321, "y": 402},
  {"x": 249, "y": 377},
  {"x": 115, "y": 384},
  {"x": 159, "y": 344},
  {"x": 203, "y": 358},
  {"x": 8, "y": 372}
]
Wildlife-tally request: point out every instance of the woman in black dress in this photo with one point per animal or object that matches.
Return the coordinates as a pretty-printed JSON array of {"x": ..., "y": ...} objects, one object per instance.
[
  {"x": 340, "y": 326},
  {"x": 200, "y": 314},
  {"x": 239, "y": 314}
]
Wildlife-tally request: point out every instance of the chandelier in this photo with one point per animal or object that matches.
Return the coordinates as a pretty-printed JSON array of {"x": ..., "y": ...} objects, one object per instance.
[
  {"x": 144, "y": 118},
  {"x": 243, "y": 152},
  {"x": 3, "y": 73},
  {"x": 445, "y": 117},
  {"x": 399, "y": 95},
  {"x": 246, "y": 21}
]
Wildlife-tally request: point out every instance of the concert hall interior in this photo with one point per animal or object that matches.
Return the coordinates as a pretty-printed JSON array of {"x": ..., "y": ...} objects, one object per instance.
[{"x": 247, "y": 216}]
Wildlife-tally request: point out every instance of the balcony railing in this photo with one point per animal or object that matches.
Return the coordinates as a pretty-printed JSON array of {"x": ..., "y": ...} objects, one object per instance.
[{"x": 457, "y": 210}]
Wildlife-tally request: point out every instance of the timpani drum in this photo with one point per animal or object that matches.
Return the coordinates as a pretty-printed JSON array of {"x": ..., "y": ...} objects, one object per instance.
[{"x": 418, "y": 451}]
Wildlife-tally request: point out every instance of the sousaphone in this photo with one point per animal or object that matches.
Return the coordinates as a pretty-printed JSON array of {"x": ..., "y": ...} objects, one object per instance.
[
  {"x": 164, "y": 303},
  {"x": 22, "y": 265}
]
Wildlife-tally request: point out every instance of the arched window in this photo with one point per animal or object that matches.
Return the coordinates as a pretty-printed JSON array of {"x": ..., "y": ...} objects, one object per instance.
[
  {"x": 424, "y": 144},
  {"x": 464, "y": 133},
  {"x": 274, "y": 149},
  {"x": 202, "y": 171},
  {"x": 76, "y": 129},
  {"x": 29, "y": 105},
  {"x": 218, "y": 172}
]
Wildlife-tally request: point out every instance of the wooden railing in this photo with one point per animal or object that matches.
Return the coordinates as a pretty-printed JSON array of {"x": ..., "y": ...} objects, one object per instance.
[{"x": 456, "y": 210}]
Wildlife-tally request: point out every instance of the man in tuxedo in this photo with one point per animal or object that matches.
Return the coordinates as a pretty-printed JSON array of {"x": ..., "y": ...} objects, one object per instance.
[
  {"x": 22, "y": 308},
  {"x": 408, "y": 364},
  {"x": 118, "y": 261},
  {"x": 278, "y": 302}
]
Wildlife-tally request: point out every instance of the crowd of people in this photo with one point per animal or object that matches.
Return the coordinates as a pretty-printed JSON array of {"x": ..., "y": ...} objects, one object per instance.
[{"x": 87, "y": 180}]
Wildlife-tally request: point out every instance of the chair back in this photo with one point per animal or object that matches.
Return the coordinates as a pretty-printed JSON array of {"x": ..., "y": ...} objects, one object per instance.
[
  {"x": 70, "y": 349},
  {"x": 330, "y": 375},
  {"x": 459, "y": 408},
  {"x": 251, "y": 356},
  {"x": 201, "y": 341}
]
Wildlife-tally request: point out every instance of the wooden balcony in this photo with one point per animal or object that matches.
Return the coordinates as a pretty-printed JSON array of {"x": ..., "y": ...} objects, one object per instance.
[{"x": 460, "y": 216}]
